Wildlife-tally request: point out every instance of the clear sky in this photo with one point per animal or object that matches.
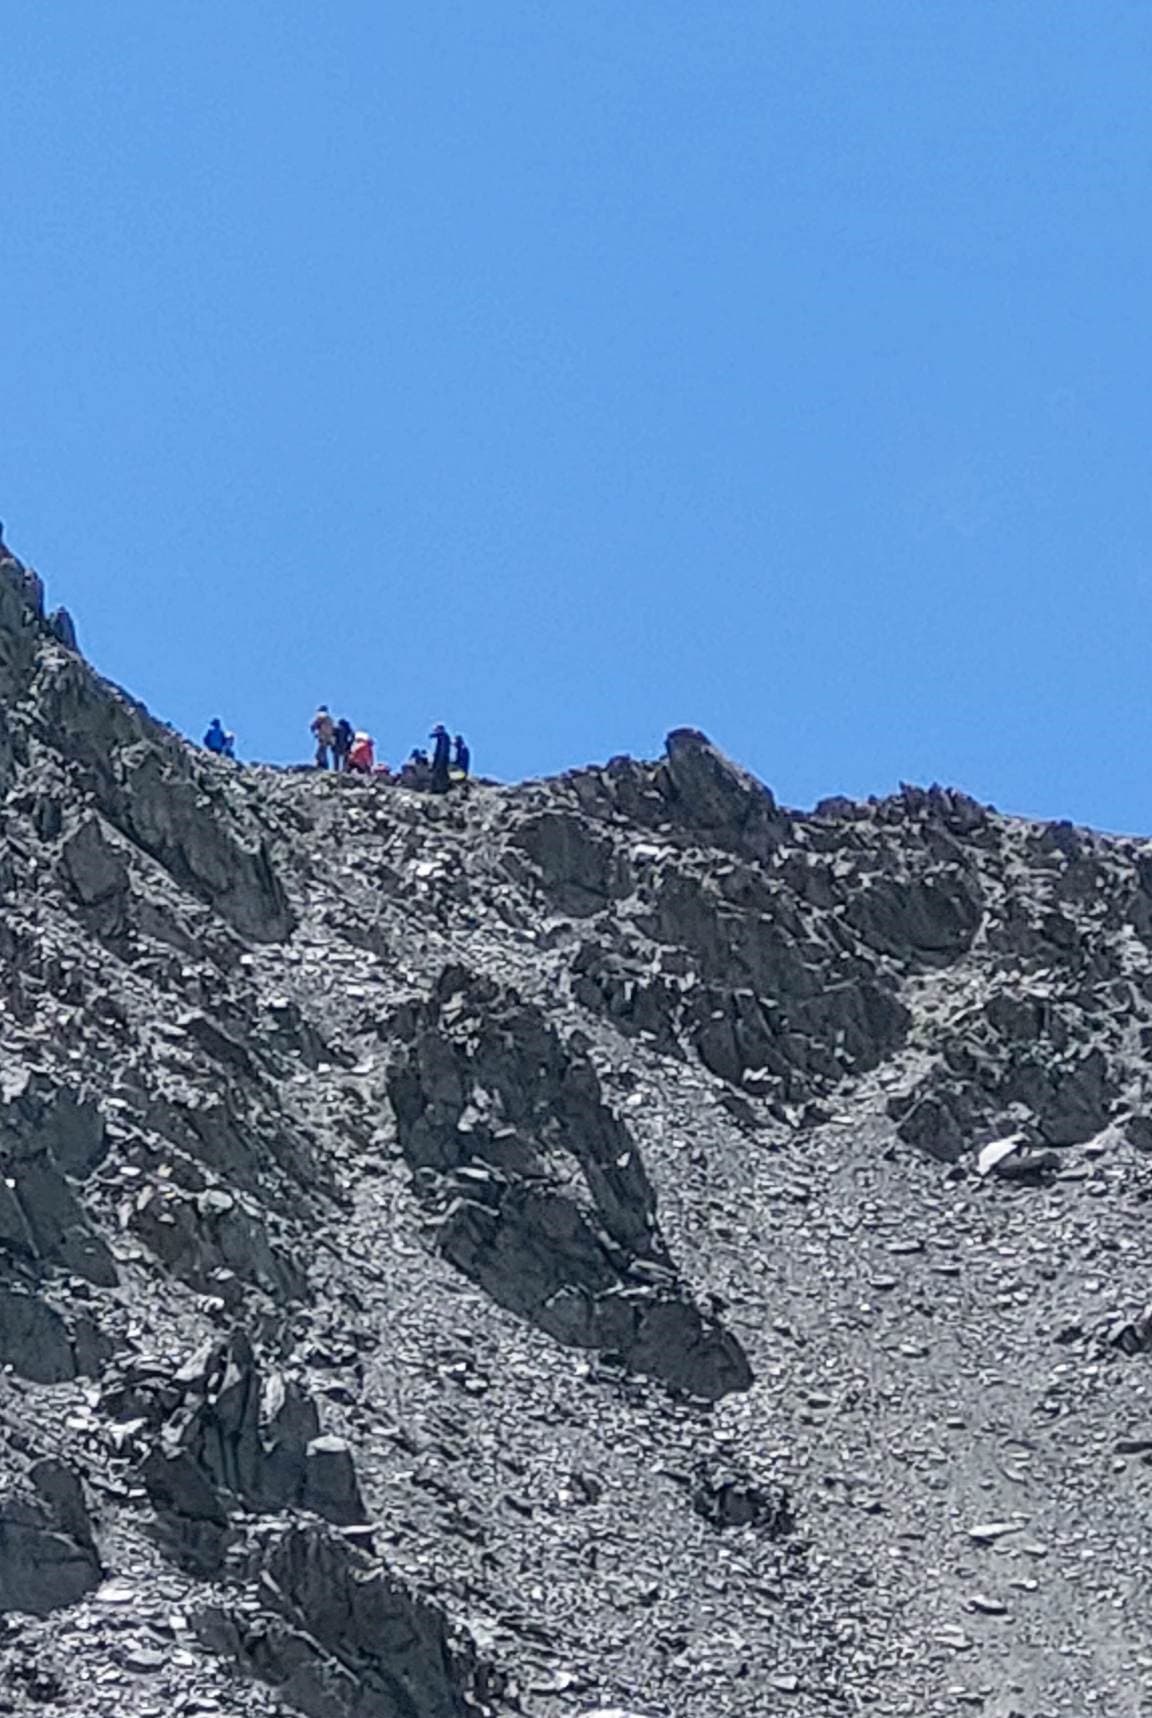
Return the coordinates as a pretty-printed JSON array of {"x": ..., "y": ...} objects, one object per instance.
[{"x": 569, "y": 370}]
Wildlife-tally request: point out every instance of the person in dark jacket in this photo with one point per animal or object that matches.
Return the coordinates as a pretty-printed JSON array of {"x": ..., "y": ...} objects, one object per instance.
[
  {"x": 216, "y": 740},
  {"x": 461, "y": 756},
  {"x": 441, "y": 758},
  {"x": 342, "y": 742}
]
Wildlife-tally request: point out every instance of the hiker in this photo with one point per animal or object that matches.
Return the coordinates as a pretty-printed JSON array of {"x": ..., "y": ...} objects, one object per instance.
[
  {"x": 343, "y": 742},
  {"x": 461, "y": 757},
  {"x": 441, "y": 752},
  {"x": 216, "y": 740},
  {"x": 416, "y": 771},
  {"x": 324, "y": 733},
  {"x": 362, "y": 757}
]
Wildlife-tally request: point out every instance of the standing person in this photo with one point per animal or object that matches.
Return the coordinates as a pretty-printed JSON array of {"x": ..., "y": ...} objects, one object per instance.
[
  {"x": 441, "y": 753},
  {"x": 342, "y": 744},
  {"x": 324, "y": 733},
  {"x": 461, "y": 756}
]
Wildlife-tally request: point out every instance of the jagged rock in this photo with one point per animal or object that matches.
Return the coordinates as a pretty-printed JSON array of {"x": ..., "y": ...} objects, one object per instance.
[
  {"x": 1132, "y": 1335},
  {"x": 41, "y": 1219},
  {"x": 242, "y": 1143},
  {"x": 21, "y": 617},
  {"x": 48, "y": 1556},
  {"x": 717, "y": 798},
  {"x": 211, "y": 1242},
  {"x": 38, "y": 1116},
  {"x": 929, "y": 918},
  {"x": 63, "y": 629},
  {"x": 1028, "y": 1166},
  {"x": 541, "y": 1192},
  {"x": 933, "y": 1127},
  {"x": 34, "y": 1339},
  {"x": 95, "y": 865},
  {"x": 241, "y": 1437},
  {"x": 1138, "y": 1131},
  {"x": 330, "y": 1486},
  {"x": 580, "y": 867},
  {"x": 192, "y": 1525},
  {"x": 150, "y": 788},
  {"x": 222, "y": 1045},
  {"x": 635, "y": 999},
  {"x": 343, "y": 1636},
  {"x": 177, "y": 1486}
]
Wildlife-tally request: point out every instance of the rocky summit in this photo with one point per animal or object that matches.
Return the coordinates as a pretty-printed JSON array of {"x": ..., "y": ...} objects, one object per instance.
[{"x": 609, "y": 1245}]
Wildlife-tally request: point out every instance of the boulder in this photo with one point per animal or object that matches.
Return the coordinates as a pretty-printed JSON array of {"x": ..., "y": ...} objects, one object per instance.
[
  {"x": 928, "y": 919},
  {"x": 94, "y": 864},
  {"x": 330, "y": 1486},
  {"x": 718, "y": 799},
  {"x": 48, "y": 1556},
  {"x": 578, "y": 865},
  {"x": 34, "y": 1339}
]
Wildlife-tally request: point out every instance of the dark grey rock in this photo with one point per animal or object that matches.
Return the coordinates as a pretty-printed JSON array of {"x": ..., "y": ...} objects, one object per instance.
[
  {"x": 330, "y": 1486},
  {"x": 719, "y": 799},
  {"x": 345, "y": 1637},
  {"x": 48, "y": 1557},
  {"x": 540, "y": 1191},
  {"x": 34, "y": 1338},
  {"x": 63, "y": 628}
]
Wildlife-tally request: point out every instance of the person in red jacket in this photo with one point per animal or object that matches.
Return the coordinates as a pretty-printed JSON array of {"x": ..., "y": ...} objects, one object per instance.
[{"x": 362, "y": 756}]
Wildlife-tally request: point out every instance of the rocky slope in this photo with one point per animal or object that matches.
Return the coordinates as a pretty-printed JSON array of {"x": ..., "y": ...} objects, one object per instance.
[{"x": 610, "y": 1242}]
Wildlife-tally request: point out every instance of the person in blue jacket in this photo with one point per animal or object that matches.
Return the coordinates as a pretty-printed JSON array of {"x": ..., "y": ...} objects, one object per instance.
[{"x": 220, "y": 742}]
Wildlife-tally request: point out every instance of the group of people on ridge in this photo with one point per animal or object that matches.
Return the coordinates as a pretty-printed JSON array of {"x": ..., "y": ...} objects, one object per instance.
[{"x": 340, "y": 747}]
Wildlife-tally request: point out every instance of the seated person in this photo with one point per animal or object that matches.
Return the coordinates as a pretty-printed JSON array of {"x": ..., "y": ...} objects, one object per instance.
[{"x": 362, "y": 756}]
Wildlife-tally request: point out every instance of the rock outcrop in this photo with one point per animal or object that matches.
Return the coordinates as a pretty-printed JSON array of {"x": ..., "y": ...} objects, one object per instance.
[
  {"x": 540, "y": 1192},
  {"x": 48, "y": 1558}
]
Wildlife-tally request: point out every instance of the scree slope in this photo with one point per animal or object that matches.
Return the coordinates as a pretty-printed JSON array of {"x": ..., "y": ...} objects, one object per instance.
[{"x": 606, "y": 1243}]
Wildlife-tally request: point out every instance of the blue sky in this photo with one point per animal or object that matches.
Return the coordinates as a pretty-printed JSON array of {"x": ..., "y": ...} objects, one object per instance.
[{"x": 568, "y": 370}]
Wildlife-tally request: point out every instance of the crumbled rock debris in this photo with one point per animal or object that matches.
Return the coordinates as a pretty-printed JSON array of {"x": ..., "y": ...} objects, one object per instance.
[{"x": 606, "y": 1245}]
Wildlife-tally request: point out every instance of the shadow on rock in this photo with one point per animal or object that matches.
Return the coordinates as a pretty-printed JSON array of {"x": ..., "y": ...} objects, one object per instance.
[{"x": 540, "y": 1191}]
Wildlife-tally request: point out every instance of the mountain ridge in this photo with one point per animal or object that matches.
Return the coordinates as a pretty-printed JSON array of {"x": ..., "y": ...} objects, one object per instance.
[{"x": 610, "y": 1241}]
